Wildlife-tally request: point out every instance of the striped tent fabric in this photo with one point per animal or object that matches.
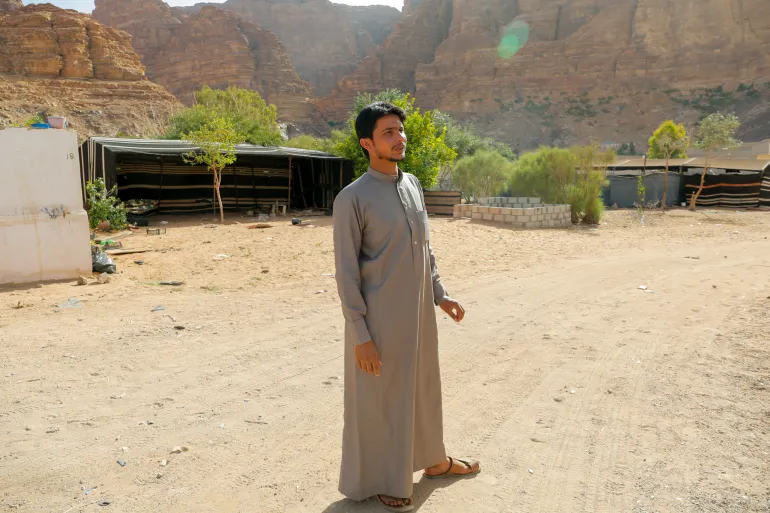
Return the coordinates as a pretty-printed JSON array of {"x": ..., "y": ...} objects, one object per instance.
[
  {"x": 729, "y": 190},
  {"x": 183, "y": 188},
  {"x": 764, "y": 193}
]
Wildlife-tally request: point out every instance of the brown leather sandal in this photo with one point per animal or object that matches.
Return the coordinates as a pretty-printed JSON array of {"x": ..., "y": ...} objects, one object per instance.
[
  {"x": 397, "y": 509},
  {"x": 469, "y": 463}
]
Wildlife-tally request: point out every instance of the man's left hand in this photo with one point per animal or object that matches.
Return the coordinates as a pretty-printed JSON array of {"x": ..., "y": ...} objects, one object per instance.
[{"x": 453, "y": 309}]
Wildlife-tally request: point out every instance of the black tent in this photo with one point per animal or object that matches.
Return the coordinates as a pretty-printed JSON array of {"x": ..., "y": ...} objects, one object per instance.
[
  {"x": 153, "y": 171},
  {"x": 730, "y": 190},
  {"x": 764, "y": 193}
]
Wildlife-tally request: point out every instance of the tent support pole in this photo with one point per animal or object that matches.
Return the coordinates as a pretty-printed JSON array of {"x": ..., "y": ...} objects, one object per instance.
[
  {"x": 301, "y": 187},
  {"x": 312, "y": 181},
  {"x": 235, "y": 184},
  {"x": 288, "y": 199},
  {"x": 160, "y": 188},
  {"x": 254, "y": 187}
]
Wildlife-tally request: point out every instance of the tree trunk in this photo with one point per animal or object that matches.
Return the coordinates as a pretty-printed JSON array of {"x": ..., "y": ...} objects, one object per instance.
[
  {"x": 665, "y": 186},
  {"x": 695, "y": 196},
  {"x": 217, "y": 182}
]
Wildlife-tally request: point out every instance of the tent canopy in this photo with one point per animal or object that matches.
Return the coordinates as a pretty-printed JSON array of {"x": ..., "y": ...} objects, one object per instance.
[{"x": 154, "y": 170}]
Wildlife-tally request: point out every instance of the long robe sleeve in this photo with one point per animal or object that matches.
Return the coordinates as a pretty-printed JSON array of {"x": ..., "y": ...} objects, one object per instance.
[
  {"x": 440, "y": 293},
  {"x": 347, "y": 250}
]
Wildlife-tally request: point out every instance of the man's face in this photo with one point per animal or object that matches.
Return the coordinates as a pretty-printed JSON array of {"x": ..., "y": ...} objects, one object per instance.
[{"x": 388, "y": 141}]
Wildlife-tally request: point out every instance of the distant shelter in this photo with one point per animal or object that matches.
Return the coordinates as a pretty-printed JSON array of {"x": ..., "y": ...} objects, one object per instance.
[
  {"x": 152, "y": 177},
  {"x": 733, "y": 183}
]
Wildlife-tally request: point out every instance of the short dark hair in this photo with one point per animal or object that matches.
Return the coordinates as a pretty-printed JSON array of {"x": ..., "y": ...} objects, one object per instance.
[{"x": 369, "y": 116}]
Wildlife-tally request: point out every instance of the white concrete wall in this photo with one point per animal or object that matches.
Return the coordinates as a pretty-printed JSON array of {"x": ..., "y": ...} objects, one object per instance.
[{"x": 44, "y": 231}]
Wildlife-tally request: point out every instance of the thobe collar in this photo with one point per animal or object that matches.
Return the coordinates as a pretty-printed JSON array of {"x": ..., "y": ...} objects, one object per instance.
[{"x": 386, "y": 178}]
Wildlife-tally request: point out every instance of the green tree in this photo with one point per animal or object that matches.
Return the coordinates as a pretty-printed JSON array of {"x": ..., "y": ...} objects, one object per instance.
[
  {"x": 715, "y": 132},
  {"x": 309, "y": 142},
  {"x": 215, "y": 143},
  {"x": 669, "y": 141},
  {"x": 253, "y": 119},
  {"x": 426, "y": 150},
  {"x": 465, "y": 140},
  {"x": 574, "y": 177},
  {"x": 485, "y": 173},
  {"x": 546, "y": 173}
]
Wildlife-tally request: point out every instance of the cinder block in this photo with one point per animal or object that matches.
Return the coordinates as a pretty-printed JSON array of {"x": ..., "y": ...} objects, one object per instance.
[
  {"x": 475, "y": 208},
  {"x": 477, "y": 215},
  {"x": 499, "y": 218},
  {"x": 523, "y": 219},
  {"x": 510, "y": 219},
  {"x": 488, "y": 217},
  {"x": 495, "y": 210}
]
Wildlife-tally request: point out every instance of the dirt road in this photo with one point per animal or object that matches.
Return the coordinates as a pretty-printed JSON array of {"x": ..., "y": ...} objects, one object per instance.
[{"x": 578, "y": 391}]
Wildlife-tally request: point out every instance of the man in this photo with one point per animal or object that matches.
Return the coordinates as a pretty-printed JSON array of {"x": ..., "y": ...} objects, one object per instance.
[{"x": 388, "y": 283}]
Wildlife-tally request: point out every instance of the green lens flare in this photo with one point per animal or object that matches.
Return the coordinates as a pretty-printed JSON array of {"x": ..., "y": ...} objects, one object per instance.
[{"x": 515, "y": 36}]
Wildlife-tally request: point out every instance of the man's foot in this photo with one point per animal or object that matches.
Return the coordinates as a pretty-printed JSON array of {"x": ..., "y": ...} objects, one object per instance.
[
  {"x": 453, "y": 467},
  {"x": 396, "y": 504}
]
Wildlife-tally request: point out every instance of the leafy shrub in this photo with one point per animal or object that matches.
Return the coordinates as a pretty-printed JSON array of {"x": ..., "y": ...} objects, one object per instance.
[
  {"x": 104, "y": 206},
  {"x": 575, "y": 177},
  {"x": 483, "y": 174}
]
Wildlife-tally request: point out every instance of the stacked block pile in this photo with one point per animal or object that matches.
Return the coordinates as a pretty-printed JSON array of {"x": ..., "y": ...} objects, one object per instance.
[{"x": 525, "y": 213}]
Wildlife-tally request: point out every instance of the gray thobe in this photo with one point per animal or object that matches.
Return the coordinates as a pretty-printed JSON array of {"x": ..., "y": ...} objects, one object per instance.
[{"x": 388, "y": 284}]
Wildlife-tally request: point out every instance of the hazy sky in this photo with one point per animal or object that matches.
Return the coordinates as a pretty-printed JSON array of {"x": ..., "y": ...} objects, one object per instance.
[{"x": 88, "y": 5}]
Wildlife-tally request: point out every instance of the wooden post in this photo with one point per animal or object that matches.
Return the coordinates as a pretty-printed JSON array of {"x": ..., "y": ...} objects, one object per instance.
[
  {"x": 301, "y": 187},
  {"x": 312, "y": 181},
  {"x": 235, "y": 184},
  {"x": 288, "y": 199},
  {"x": 160, "y": 187},
  {"x": 254, "y": 188}
]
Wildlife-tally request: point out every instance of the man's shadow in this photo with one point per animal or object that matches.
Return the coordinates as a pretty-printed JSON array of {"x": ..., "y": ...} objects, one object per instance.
[{"x": 422, "y": 492}]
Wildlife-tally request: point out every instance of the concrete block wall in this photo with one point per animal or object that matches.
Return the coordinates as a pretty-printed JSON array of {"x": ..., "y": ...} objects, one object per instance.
[
  {"x": 548, "y": 216},
  {"x": 511, "y": 202}
]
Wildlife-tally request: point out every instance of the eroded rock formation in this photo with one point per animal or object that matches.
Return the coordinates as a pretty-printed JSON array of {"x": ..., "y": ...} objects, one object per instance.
[
  {"x": 325, "y": 40},
  {"x": 63, "y": 62},
  {"x": 608, "y": 68},
  {"x": 209, "y": 47}
]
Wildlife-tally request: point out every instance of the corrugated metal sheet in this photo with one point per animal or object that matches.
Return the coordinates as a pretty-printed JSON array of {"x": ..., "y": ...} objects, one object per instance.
[
  {"x": 169, "y": 147},
  {"x": 692, "y": 163}
]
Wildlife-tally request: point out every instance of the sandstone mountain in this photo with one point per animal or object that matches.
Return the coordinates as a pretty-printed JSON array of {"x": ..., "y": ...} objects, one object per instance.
[
  {"x": 609, "y": 69},
  {"x": 10, "y": 5},
  {"x": 411, "y": 5},
  {"x": 63, "y": 62},
  {"x": 210, "y": 47},
  {"x": 325, "y": 40}
]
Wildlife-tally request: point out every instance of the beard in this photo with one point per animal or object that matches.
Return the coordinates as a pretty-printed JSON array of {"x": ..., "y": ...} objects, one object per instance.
[{"x": 391, "y": 158}]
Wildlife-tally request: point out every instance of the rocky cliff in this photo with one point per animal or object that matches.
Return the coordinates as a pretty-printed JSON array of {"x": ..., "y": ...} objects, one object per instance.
[
  {"x": 10, "y": 5},
  {"x": 62, "y": 62},
  {"x": 392, "y": 65},
  {"x": 608, "y": 69},
  {"x": 411, "y": 5},
  {"x": 325, "y": 40},
  {"x": 209, "y": 47}
]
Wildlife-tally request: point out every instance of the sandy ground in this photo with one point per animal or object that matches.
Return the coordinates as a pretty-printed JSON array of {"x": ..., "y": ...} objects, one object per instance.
[{"x": 577, "y": 390}]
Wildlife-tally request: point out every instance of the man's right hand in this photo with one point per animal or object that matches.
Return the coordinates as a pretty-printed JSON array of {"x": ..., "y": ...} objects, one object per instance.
[{"x": 367, "y": 358}]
